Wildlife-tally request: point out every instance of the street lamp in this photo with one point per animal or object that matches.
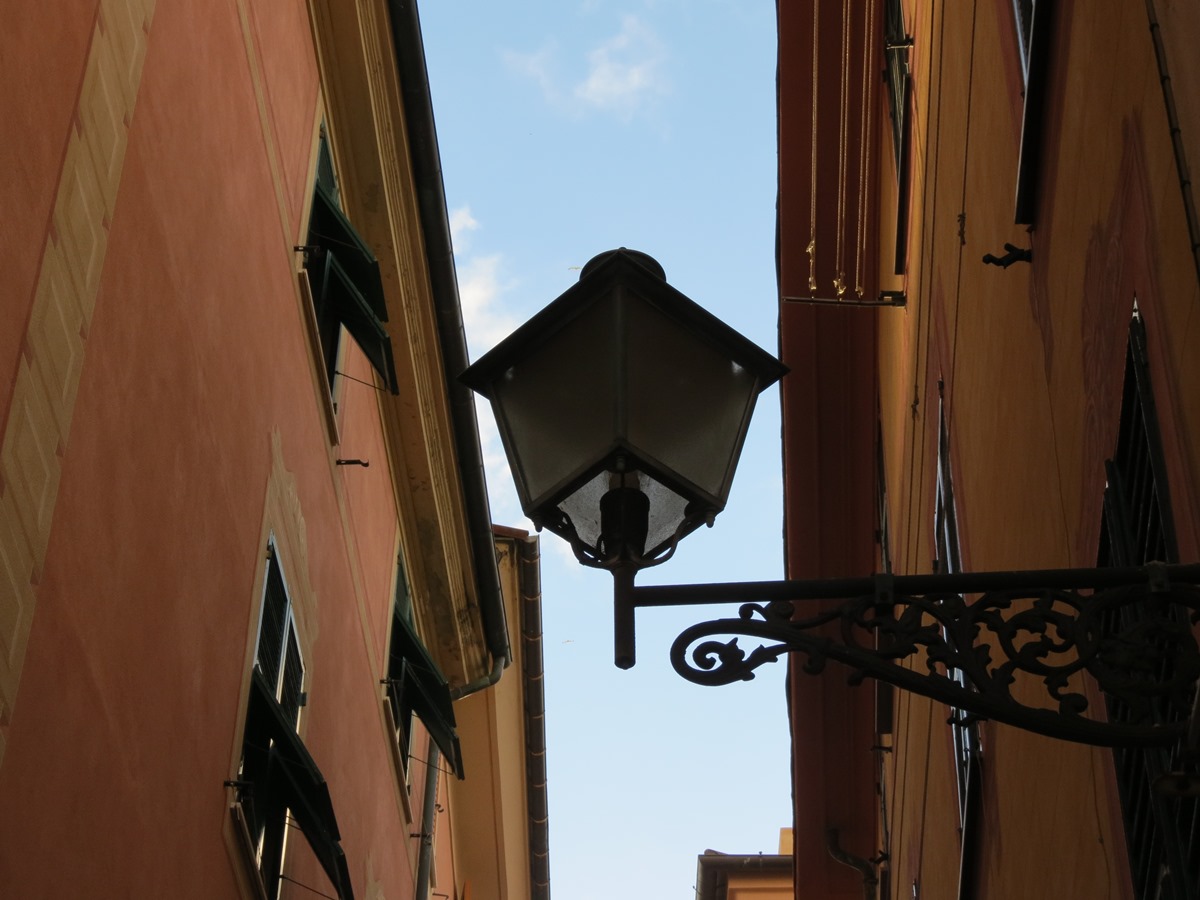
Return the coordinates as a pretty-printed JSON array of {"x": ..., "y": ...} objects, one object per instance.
[{"x": 623, "y": 407}]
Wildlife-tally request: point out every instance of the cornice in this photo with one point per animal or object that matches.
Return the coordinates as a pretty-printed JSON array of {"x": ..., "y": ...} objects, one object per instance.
[{"x": 365, "y": 123}]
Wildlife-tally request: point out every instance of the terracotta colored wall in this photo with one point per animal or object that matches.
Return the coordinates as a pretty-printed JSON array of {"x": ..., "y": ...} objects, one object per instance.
[
  {"x": 42, "y": 66},
  {"x": 828, "y": 403},
  {"x": 128, "y": 710}
]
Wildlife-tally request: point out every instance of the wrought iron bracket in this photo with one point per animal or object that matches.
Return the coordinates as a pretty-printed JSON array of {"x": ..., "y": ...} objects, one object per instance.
[{"x": 1014, "y": 647}]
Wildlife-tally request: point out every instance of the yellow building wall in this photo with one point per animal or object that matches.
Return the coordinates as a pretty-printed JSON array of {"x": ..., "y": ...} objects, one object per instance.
[
  {"x": 1030, "y": 360},
  {"x": 489, "y": 809}
]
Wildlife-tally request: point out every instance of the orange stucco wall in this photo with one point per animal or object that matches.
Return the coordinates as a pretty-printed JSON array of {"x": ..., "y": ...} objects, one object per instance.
[
  {"x": 127, "y": 718},
  {"x": 1029, "y": 363}
]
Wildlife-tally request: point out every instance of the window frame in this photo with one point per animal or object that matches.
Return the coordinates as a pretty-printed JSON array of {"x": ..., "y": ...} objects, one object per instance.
[
  {"x": 1023, "y": 15},
  {"x": 415, "y": 687},
  {"x": 1033, "y": 49},
  {"x": 897, "y": 47},
  {"x": 344, "y": 285},
  {"x": 967, "y": 741},
  {"x": 278, "y": 783},
  {"x": 288, "y": 638}
]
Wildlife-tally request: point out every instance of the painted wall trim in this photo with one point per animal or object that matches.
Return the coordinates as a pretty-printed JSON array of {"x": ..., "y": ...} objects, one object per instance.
[{"x": 38, "y": 425}]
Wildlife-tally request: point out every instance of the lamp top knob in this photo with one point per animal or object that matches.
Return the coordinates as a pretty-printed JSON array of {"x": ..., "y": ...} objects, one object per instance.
[{"x": 645, "y": 260}]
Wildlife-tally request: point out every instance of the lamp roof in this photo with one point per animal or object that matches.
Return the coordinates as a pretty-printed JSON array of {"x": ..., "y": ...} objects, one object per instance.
[{"x": 596, "y": 280}]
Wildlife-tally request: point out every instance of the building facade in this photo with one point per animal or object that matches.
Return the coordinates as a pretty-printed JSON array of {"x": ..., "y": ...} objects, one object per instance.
[
  {"x": 749, "y": 876},
  {"x": 989, "y": 282},
  {"x": 247, "y": 572}
]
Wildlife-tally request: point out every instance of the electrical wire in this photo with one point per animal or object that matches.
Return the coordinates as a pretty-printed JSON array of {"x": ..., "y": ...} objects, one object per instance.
[{"x": 963, "y": 207}]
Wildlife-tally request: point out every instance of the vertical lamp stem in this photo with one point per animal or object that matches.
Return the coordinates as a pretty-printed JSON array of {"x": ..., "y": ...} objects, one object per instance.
[{"x": 623, "y": 576}]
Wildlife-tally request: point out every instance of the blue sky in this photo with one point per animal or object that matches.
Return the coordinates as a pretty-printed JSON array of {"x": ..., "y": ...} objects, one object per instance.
[{"x": 567, "y": 129}]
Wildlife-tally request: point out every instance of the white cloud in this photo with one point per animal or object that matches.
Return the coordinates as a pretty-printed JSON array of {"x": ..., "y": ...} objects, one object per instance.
[
  {"x": 624, "y": 72},
  {"x": 461, "y": 222},
  {"x": 502, "y": 495},
  {"x": 537, "y": 66},
  {"x": 479, "y": 289},
  {"x": 486, "y": 323}
]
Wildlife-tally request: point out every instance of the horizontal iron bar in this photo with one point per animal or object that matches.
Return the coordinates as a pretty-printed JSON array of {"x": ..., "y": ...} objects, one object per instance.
[{"x": 957, "y": 583}]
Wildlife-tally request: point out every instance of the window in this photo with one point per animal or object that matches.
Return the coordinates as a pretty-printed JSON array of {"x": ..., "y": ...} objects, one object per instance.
[
  {"x": 897, "y": 45},
  {"x": 1032, "y": 21},
  {"x": 416, "y": 687},
  {"x": 884, "y": 692},
  {"x": 343, "y": 275},
  {"x": 967, "y": 746},
  {"x": 277, "y": 656},
  {"x": 1023, "y": 20},
  {"x": 1136, "y": 528},
  {"x": 279, "y": 784}
]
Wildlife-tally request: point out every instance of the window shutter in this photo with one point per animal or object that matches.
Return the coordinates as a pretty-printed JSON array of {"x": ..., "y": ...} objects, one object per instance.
[
  {"x": 347, "y": 289},
  {"x": 292, "y": 780},
  {"x": 352, "y": 308},
  {"x": 331, "y": 231},
  {"x": 421, "y": 689}
]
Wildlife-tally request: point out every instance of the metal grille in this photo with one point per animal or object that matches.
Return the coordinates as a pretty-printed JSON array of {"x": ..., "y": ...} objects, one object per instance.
[{"x": 1162, "y": 832}]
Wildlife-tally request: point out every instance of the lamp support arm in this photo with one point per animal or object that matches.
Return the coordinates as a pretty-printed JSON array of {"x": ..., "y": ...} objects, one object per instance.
[{"x": 967, "y": 640}]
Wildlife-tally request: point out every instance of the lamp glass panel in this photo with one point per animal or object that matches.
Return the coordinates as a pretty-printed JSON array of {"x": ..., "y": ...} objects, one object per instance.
[
  {"x": 559, "y": 402},
  {"x": 667, "y": 508},
  {"x": 687, "y": 400}
]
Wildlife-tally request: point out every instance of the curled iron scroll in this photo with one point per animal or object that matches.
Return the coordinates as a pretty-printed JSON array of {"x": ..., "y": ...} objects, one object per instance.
[{"x": 1137, "y": 644}]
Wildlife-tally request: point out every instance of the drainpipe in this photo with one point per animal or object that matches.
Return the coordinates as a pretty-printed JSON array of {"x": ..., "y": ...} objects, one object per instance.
[
  {"x": 439, "y": 254},
  {"x": 428, "y": 813},
  {"x": 499, "y": 664},
  {"x": 535, "y": 719},
  {"x": 864, "y": 866}
]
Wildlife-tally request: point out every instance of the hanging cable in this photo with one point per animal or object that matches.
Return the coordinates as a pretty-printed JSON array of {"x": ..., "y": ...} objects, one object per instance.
[
  {"x": 360, "y": 381},
  {"x": 812, "y": 212},
  {"x": 864, "y": 148},
  {"x": 839, "y": 282}
]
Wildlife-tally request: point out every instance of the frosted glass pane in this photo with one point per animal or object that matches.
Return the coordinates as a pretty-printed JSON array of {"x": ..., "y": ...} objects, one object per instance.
[
  {"x": 688, "y": 402},
  {"x": 667, "y": 508},
  {"x": 560, "y": 402}
]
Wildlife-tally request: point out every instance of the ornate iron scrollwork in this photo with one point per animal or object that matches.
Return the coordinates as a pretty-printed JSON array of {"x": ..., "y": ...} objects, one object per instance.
[{"x": 1016, "y": 654}]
